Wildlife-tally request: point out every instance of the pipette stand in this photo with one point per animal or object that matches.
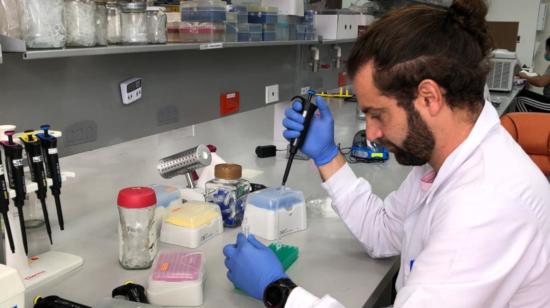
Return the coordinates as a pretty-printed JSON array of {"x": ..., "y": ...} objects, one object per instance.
[{"x": 43, "y": 268}]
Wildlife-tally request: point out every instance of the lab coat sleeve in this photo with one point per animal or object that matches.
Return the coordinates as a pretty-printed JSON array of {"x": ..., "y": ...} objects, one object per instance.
[
  {"x": 376, "y": 223},
  {"x": 481, "y": 248},
  {"x": 300, "y": 298}
]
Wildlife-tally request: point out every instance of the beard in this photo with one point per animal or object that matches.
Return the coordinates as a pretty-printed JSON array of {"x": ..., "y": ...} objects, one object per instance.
[{"x": 419, "y": 143}]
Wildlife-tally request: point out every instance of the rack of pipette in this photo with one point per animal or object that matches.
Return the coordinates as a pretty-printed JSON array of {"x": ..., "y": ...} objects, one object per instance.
[{"x": 18, "y": 192}]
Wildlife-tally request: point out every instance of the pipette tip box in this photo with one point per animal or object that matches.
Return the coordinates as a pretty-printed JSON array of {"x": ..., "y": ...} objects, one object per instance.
[
  {"x": 177, "y": 279},
  {"x": 192, "y": 225},
  {"x": 274, "y": 212}
]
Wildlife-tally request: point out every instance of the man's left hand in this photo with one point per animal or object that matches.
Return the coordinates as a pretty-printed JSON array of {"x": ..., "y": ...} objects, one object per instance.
[{"x": 252, "y": 266}]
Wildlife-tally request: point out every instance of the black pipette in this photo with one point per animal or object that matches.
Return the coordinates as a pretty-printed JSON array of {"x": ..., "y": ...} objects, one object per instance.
[
  {"x": 49, "y": 152},
  {"x": 4, "y": 206},
  {"x": 34, "y": 157},
  {"x": 16, "y": 176},
  {"x": 308, "y": 111}
]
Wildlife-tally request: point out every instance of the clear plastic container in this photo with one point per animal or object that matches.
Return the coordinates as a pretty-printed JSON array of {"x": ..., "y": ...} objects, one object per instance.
[
  {"x": 192, "y": 225},
  {"x": 156, "y": 25},
  {"x": 300, "y": 32},
  {"x": 137, "y": 232},
  {"x": 269, "y": 36},
  {"x": 282, "y": 32},
  {"x": 242, "y": 12},
  {"x": 101, "y": 22},
  {"x": 134, "y": 23},
  {"x": 201, "y": 32},
  {"x": 243, "y": 36},
  {"x": 203, "y": 11},
  {"x": 80, "y": 23},
  {"x": 10, "y": 24},
  {"x": 231, "y": 18},
  {"x": 114, "y": 23},
  {"x": 231, "y": 32},
  {"x": 177, "y": 279},
  {"x": 262, "y": 16},
  {"x": 42, "y": 23},
  {"x": 173, "y": 32},
  {"x": 178, "y": 266},
  {"x": 228, "y": 191}
]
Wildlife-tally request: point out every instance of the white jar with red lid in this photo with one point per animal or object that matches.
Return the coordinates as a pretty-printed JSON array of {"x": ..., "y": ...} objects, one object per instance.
[{"x": 137, "y": 233}]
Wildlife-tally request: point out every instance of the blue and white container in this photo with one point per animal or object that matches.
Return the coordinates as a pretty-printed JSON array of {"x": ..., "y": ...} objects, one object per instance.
[
  {"x": 274, "y": 212},
  {"x": 228, "y": 190}
]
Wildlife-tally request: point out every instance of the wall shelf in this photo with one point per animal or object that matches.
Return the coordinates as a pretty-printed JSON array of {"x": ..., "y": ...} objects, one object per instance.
[{"x": 109, "y": 50}]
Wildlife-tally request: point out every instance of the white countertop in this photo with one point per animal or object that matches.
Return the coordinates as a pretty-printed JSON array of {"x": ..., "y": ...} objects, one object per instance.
[{"x": 331, "y": 259}]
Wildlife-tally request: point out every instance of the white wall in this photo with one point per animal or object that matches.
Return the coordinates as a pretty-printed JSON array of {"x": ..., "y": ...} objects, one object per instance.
[{"x": 523, "y": 11}]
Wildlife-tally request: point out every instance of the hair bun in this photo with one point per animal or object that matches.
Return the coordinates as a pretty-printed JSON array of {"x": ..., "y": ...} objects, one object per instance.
[
  {"x": 470, "y": 15},
  {"x": 469, "y": 12}
]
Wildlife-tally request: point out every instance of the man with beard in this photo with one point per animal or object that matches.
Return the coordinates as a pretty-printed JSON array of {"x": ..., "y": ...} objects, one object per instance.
[{"x": 472, "y": 219}]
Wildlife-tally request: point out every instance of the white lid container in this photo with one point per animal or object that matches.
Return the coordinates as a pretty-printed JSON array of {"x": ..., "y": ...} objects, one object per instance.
[
  {"x": 192, "y": 225},
  {"x": 274, "y": 212},
  {"x": 177, "y": 279}
]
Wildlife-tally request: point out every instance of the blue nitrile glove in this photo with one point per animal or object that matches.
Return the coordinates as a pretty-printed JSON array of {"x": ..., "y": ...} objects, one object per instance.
[
  {"x": 251, "y": 265},
  {"x": 319, "y": 143}
]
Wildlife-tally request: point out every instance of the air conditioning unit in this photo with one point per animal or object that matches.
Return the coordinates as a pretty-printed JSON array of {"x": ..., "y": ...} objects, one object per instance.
[{"x": 501, "y": 76}]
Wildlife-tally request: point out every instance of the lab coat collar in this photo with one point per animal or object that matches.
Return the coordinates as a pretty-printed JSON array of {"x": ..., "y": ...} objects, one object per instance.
[{"x": 487, "y": 121}]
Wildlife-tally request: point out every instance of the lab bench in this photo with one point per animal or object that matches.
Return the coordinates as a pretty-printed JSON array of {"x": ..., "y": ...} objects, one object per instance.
[
  {"x": 331, "y": 260},
  {"x": 503, "y": 100}
]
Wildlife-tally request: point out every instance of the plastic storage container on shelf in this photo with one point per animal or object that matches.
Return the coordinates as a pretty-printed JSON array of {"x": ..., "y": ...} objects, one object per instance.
[
  {"x": 241, "y": 11},
  {"x": 80, "y": 23},
  {"x": 201, "y": 32},
  {"x": 282, "y": 32},
  {"x": 134, "y": 23},
  {"x": 300, "y": 32},
  {"x": 231, "y": 32},
  {"x": 192, "y": 225},
  {"x": 173, "y": 27},
  {"x": 177, "y": 279},
  {"x": 203, "y": 11},
  {"x": 269, "y": 36},
  {"x": 156, "y": 25},
  {"x": 262, "y": 15},
  {"x": 268, "y": 32},
  {"x": 274, "y": 212},
  {"x": 228, "y": 191},
  {"x": 256, "y": 32},
  {"x": 42, "y": 23}
]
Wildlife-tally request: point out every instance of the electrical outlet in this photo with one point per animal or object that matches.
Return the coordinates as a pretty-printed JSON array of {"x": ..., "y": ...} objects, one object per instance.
[
  {"x": 80, "y": 132},
  {"x": 167, "y": 115},
  {"x": 272, "y": 94},
  {"x": 303, "y": 91}
]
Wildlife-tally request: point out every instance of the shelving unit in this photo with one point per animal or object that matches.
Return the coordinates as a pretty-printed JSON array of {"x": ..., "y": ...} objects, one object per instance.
[{"x": 109, "y": 50}]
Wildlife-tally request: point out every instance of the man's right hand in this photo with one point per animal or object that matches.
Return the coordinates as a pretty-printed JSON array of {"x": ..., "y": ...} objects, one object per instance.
[{"x": 319, "y": 143}]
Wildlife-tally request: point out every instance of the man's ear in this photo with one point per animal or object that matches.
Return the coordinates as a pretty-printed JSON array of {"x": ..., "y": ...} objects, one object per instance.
[{"x": 430, "y": 97}]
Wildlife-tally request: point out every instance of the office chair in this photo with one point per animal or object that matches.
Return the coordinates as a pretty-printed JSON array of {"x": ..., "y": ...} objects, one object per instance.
[{"x": 532, "y": 131}]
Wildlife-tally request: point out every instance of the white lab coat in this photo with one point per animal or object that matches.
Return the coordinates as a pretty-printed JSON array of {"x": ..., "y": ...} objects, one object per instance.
[{"x": 479, "y": 235}]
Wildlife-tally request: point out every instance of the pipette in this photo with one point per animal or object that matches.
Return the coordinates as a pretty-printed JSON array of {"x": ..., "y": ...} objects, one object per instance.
[
  {"x": 16, "y": 176},
  {"x": 34, "y": 157},
  {"x": 4, "y": 206},
  {"x": 53, "y": 171},
  {"x": 308, "y": 111}
]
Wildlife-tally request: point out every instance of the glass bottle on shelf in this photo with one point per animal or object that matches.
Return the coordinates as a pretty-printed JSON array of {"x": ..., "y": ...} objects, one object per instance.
[
  {"x": 42, "y": 23},
  {"x": 80, "y": 23},
  {"x": 114, "y": 23},
  {"x": 134, "y": 23}
]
